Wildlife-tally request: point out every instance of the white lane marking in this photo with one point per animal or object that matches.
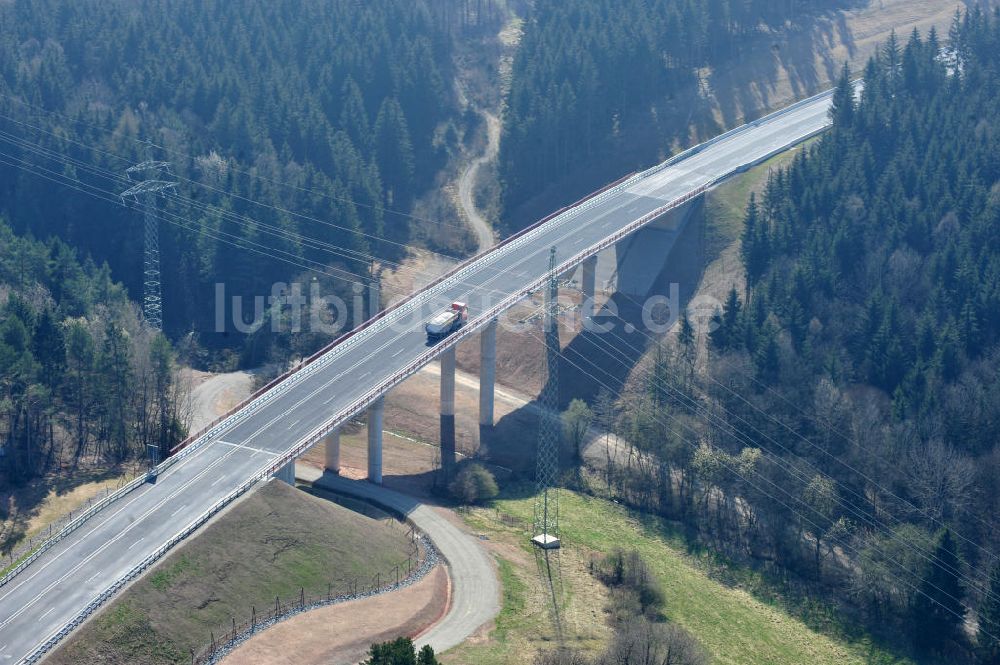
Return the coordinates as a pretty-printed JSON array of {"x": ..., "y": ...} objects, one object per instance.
[
  {"x": 266, "y": 425},
  {"x": 178, "y": 510},
  {"x": 116, "y": 538},
  {"x": 217, "y": 481},
  {"x": 19, "y": 582},
  {"x": 135, "y": 543},
  {"x": 94, "y": 577},
  {"x": 484, "y": 286},
  {"x": 47, "y": 612},
  {"x": 365, "y": 374},
  {"x": 250, "y": 448},
  {"x": 398, "y": 352}
]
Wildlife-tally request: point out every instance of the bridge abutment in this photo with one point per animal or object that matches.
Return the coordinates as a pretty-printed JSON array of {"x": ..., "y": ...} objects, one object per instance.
[
  {"x": 639, "y": 257},
  {"x": 376, "y": 412},
  {"x": 286, "y": 473}
]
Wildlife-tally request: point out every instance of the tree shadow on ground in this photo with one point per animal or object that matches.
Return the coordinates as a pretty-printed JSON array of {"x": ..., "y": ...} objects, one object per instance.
[
  {"x": 739, "y": 89},
  {"x": 18, "y": 505},
  {"x": 604, "y": 357}
]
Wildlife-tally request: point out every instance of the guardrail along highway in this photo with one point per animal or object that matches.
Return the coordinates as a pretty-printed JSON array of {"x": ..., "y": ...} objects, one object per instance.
[{"x": 79, "y": 571}]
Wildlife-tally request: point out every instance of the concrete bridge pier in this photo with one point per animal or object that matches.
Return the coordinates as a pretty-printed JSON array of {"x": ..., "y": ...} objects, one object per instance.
[
  {"x": 375, "y": 416},
  {"x": 588, "y": 283},
  {"x": 448, "y": 413},
  {"x": 286, "y": 473},
  {"x": 487, "y": 374},
  {"x": 374, "y": 296},
  {"x": 332, "y": 442}
]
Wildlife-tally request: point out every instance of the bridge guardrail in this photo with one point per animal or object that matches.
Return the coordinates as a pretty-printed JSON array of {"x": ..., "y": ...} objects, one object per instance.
[{"x": 321, "y": 358}]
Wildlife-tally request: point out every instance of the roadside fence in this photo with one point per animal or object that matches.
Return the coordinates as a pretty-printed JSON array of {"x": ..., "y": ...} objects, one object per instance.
[{"x": 421, "y": 558}]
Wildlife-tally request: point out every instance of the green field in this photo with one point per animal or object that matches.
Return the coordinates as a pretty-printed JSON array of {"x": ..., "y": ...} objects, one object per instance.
[
  {"x": 735, "y": 626},
  {"x": 274, "y": 543}
]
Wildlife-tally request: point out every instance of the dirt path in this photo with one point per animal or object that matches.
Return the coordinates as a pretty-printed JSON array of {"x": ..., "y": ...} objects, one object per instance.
[
  {"x": 341, "y": 634},
  {"x": 474, "y": 599},
  {"x": 215, "y": 395},
  {"x": 467, "y": 184}
]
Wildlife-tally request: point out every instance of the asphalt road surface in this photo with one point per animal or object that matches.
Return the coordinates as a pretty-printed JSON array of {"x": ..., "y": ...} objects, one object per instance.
[
  {"x": 51, "y": 592},
  {"x": 475, "y": 594}
]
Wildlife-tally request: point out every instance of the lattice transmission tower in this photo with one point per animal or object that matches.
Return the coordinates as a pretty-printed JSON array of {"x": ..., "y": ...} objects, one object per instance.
[
  {"x": 144, "y": 192},
  {"x": 546, "y": 526}
]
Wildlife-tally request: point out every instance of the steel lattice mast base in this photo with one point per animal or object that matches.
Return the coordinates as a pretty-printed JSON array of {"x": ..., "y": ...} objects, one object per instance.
[
  {"x": 152, "y": 295},
  {"x": 546, "y": 523}
]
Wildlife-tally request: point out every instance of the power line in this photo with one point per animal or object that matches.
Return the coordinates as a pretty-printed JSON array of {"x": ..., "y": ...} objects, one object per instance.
[
  {"x": 152, "y": 296},
  {"x": 825, "y": 452},
  {"x": 341, "y": 252},
  {"x": 188, "y": 157},
  {"x": 743, "y": 439},
  {"x": 799, "y": 514},
  {"x": 546, "y": 527}
]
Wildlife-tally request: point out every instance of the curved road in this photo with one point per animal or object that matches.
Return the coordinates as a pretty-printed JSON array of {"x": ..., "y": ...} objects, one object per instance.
[
  {"x": 467, "y": 185},
  {"x": 475, "y": 592},
  {"x": 42, "y": 603}
]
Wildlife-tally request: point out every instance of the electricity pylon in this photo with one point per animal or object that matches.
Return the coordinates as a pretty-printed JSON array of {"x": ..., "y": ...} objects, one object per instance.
[
  {"x": 144, "y": 192},
  {"x": 546, "y": 526}
]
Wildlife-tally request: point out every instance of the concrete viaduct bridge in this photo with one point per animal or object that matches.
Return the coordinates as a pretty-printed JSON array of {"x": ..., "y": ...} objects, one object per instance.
[{"x": 77, "y": 570}]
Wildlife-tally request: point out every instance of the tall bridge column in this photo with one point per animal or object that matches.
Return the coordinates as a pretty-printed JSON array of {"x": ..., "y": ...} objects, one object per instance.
[
  {"x": 448, "y": 413},
  {"x": 287, "y": 473},
  {"x": 374, "y": 296},
  {"x": 587, "y": 284},
  {"x": 332, "y": 442},
  {"x": 375, "y": 414},
  {"x": 487, "y": 373}
]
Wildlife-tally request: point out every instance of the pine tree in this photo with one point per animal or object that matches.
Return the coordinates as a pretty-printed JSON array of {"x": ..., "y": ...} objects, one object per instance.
[
  {"x": 426, "y": 656},
  {"x": 394, "y": 153},
  {"x": 686, "y": 335},
  {"x": 726, "y": 332},
  {"x": 754, "y": 246},
  {"x": 842, "y": 106},
  {"x": 989, "y": 621},
  {"x": 937, "y": 612}
]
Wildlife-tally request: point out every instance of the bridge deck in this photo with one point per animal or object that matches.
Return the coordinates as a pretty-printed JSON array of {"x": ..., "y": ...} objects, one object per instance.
[{"x": 51, "y": 592}]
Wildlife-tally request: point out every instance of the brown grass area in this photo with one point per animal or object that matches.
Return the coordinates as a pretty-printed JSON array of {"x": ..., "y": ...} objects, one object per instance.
[
  {"x": 29, "y": 510},
  {"x": 770, "y": 71},
  {"x": 527, "y": 622},
  {"x": 341, "y": 634},
  {"x": 273, "y": 543}
]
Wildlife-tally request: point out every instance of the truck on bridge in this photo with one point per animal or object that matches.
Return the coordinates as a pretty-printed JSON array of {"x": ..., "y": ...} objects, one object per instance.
[{"x": 447, "y": 321}]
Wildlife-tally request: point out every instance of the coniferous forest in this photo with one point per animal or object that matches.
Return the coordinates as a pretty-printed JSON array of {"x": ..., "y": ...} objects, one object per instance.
[
  {"x": 852, "y": 386},
  {"x": 294, "y": 131},
  {"x": 322, "y": 110},
  {"x": 839, "y": 431},
  {"x": 585, "y": 68},
  {"x": 81, "y": 376}
]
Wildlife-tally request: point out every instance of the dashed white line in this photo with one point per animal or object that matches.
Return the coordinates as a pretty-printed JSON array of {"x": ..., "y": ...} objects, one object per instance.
[
  {"x": 47, "y": 612},
  {"x": 217, "y": 481},
  {"x": 94, "y": 577},
  {"x": 398, "y": 352},
  {"x": 178, "y": 510},
  {"x": 135, "y": 543}
]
